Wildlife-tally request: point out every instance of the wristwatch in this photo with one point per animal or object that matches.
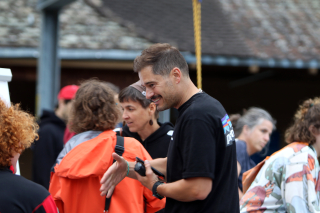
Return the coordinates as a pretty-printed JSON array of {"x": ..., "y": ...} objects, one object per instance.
[{"x": 154, "y": 189}]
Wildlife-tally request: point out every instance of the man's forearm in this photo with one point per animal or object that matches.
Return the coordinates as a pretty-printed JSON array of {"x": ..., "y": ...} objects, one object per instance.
[
  {"x": 187, "y": 190},
  {"x": 159, "y": 164}
]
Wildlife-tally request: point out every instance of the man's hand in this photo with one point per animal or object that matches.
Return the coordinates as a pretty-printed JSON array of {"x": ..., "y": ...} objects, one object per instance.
[
  {"x": 114, "y": 175},
  {"x": 150, "y": 178}
]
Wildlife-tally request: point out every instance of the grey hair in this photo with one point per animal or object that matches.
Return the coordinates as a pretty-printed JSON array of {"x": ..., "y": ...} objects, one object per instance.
[{"x": 254, "y": 116}]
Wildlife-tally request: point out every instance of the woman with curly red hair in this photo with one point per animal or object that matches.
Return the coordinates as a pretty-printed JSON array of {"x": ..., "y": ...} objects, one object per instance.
[
  {"x": 18, "y": 130},
  {"x": 289, "y": 180}
]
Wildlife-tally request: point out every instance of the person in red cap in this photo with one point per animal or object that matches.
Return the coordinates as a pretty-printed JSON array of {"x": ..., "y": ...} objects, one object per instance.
[{"x": 52, "y": 126}]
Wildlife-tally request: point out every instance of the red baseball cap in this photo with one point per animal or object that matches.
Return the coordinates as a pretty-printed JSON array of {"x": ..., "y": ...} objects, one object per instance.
[{"x": 68, "y": 92}]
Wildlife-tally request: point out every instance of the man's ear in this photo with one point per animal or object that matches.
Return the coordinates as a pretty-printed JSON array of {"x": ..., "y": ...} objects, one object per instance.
[{"x": 176, "y": 74}]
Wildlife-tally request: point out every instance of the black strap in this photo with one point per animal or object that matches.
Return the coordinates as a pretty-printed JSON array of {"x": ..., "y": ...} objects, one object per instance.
[
  {"x": 119, "y": 133},
  {"x": 119, "y": 149}
]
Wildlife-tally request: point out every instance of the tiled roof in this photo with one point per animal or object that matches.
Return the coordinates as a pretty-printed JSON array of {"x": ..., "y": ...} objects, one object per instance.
[
  {"x": 19, "y": 23},
  {"x": 279, "y": 29},
  {"x": 172, "y": 22},
  {"x": 263, "y": 29},
  {"x": 259, "y": 29},
  {"x": 81, "y": 27}
]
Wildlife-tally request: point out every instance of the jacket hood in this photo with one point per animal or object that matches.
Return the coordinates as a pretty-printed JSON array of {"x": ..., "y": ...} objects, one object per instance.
[
  {"x": 50, "y": 117},
  {"x": 165, "y": 128},
  {"x": 86, "y": 154}
]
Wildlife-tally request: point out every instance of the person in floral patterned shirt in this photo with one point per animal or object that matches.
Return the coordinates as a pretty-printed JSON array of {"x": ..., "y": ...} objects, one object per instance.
[{"x": 289, "y": 179}]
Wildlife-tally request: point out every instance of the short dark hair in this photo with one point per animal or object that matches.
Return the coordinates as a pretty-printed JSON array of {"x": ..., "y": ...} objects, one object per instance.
[
  {"x": 94, "y": 108},
  {"x": 163, "y": 58},
  {"x": 130, "y": 93}
]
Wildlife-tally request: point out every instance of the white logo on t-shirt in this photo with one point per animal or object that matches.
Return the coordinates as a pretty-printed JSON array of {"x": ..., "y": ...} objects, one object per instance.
[{"x": 228, "y": 130}]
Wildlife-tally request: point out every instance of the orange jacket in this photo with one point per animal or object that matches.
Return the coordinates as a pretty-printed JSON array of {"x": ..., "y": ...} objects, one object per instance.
[{"x": 76, "y": 182}]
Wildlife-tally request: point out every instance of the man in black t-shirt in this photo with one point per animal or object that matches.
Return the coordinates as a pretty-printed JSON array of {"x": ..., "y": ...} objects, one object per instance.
[{"x": 201, "y": 167}]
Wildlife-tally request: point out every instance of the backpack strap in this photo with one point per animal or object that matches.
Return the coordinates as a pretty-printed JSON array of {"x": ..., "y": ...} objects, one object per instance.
[
  {"x": 119, "y": 149},
  {"x": 118, "y": 131}
]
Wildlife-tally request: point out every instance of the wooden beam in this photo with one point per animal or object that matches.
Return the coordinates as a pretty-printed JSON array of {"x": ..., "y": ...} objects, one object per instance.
[
  {"x": 18, "y": 62},
  {"x": 91, "y": 64},
  {"x": 78, "y": 64}
]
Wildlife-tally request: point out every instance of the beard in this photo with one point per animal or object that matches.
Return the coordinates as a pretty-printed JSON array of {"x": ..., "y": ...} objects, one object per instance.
[{"x": 169, "y": 98}]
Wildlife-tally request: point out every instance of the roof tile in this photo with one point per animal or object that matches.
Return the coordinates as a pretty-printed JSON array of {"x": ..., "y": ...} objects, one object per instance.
[{"x": 20, "y": 27}]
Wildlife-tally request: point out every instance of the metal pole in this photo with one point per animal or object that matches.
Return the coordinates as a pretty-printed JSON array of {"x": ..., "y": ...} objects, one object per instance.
[{"x": 48, "y": 82}]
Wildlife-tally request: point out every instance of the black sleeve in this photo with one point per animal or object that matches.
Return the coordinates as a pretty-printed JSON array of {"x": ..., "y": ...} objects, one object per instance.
[
  {"x": 199, "y": 149},
  {"x": 242, "y": 159},
  {"x": 44, "y": 156}
]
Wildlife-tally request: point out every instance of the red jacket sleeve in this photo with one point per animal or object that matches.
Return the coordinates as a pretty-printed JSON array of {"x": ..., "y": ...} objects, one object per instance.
[{"x": 47, "y": 206}]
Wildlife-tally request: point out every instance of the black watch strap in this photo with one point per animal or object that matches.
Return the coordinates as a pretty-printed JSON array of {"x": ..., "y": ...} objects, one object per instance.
[{"x": 154, "y": 189}]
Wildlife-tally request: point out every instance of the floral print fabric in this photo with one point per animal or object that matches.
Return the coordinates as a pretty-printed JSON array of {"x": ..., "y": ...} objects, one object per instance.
[{"x": 288, "y": 182}]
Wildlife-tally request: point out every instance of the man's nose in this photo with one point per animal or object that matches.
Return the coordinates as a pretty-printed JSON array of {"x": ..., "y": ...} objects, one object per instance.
[{"x": 149, "y": 93}]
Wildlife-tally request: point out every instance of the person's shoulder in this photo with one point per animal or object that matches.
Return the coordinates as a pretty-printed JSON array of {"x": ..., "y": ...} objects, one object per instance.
[
  {"x": 49, "y": 127},
  {"x": 204, "y": 107},
  {"x": 134, "y": 148},
  {"x": 296, "y": 150},
  {"x": 167, "y": 126},
  {"x": 29, "y": 187},
  {"x": 214, "y": 105},
  {"x": 306, "y": 155},
  {"x": 241, "y": 145},
  {"x": 294, "y": 154},
  {"x": 54, "y": 125},
  {"x": 204, "y": 101},
  {"x": 169, "y": 131},
  {"x": 162, "y": 134},
  {"x": 129, "y": 141},
  {"x": 241, "y": 149},
  {"x": 51, "y": 131}
]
